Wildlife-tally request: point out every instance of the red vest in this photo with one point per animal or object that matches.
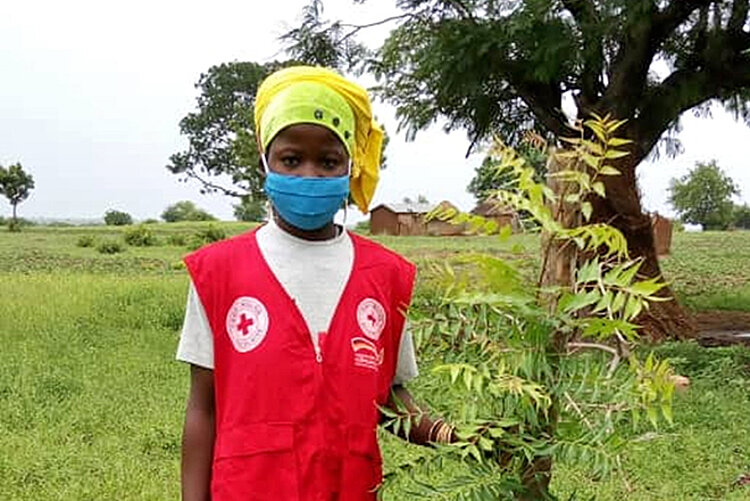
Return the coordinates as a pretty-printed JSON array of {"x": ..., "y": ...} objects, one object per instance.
[{"x": 293, "y": 424}]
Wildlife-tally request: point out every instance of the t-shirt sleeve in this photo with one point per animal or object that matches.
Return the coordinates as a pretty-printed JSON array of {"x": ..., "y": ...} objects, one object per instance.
[
  {"x": 196, "y": 344},
  {"x": 406, "y": 365}
]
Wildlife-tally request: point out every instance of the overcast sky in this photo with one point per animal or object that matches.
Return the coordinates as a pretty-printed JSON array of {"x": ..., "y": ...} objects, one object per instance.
[{"x": 91, "y": 95}]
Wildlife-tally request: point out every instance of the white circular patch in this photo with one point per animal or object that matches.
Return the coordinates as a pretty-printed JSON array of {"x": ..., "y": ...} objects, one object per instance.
[
  {"x": 371, "y": 318},
  {"x": 247, "y": 323}
]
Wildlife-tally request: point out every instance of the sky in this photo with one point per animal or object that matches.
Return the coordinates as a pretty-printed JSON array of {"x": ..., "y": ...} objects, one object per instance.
[{"x": 92, "y": 92}]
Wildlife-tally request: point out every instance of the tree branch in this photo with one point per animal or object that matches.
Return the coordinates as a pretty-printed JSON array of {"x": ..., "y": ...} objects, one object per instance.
[
  {"x": 685, "y": 89},
  {"x": 212, "y": 186},
  {"x": 738, "y": 18},
  {"x": 356, "y": 28},
  {"x": 637, "y": 50},
  {"x": 586, "y": 17},
  {"x": 545, "y": 102}
]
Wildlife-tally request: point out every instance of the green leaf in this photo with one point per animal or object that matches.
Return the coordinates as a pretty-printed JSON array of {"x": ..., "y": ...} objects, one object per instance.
[
  {"x": 608, "y": 170},
  {"x": 587, "y": 209},
  {"x": 616, "y": 141},
  {"x": 599, "y": 189},
  {"x": 616, "y": 154}
]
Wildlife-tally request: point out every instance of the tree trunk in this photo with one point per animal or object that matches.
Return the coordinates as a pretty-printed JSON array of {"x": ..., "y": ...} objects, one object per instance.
[
  {"x": 558, "y": 267},
  {"x": 622, "y": 209},
  {"x": 14, "y": 220}
]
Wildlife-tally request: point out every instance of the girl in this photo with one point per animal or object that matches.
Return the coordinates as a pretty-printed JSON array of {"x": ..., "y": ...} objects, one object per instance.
[{"x": 295, "y": 331}]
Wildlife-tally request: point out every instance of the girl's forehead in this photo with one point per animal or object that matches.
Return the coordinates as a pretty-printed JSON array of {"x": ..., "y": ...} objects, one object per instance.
[{"x": 307, "y": 134}]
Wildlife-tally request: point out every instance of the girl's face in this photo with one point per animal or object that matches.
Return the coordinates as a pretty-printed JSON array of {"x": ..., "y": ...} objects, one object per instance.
[{"x": 308, "y": 150}]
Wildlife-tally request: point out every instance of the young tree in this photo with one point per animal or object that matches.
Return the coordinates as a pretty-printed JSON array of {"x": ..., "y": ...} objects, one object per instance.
[
  {"x": 521, "y": 394},
  {"x": 185, "y": 210},
  {"x": 117, "y": 218},
  {"x": 704, "y": 196},
  {"x": 503, "y": 68},
  {"x": 16, "y": 185}
]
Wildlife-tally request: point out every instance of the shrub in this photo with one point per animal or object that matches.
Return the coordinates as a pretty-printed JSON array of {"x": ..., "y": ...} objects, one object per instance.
[
  {"x": 151, "y": 221},
  {"x": 210, "y": 234},
  {"x": 178, "y": 240},
  {"x": 741, "y": 216},
  {"x": 140, "y": 236},
  {"x": 110, "y": 247},
  {"x": 86, "y": 241},
  {"x": 117, "y": 218}
]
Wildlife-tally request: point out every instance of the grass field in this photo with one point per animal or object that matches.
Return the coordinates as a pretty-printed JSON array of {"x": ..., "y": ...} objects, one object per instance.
[{"x": 91, "y": 401}]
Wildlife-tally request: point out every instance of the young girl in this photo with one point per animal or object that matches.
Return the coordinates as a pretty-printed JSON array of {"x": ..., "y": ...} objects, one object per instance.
[{"x": 295, "y": 332}]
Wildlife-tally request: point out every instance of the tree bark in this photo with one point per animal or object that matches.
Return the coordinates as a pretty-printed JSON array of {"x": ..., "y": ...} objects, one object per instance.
[
  {"x": 14, "y": 226},
  {"x": 622, "y": 209},
  {"x": 559, "y": 261}
]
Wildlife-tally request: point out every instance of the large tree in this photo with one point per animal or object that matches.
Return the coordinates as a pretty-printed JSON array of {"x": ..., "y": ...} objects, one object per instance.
[
  {"x": 489, "y": 66},
  {"x": 704, "y": 196},
  {"x": 16, "y": 185},
  {"x": 222, "y": 154}
]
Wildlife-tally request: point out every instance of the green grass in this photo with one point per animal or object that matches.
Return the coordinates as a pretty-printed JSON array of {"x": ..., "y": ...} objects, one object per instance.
[
  {"x": 92, "y": 401},
  {"x": 711, "y": 270}
]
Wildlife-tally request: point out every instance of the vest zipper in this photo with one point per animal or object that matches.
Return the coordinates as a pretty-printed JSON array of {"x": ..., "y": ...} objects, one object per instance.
[
  {"x": 318, "y": 355},
  {"x": 318, "y": 351}
]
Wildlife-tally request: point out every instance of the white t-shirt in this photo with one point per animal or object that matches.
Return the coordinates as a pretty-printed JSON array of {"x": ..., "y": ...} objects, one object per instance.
[{"x": 313, "y": 274}]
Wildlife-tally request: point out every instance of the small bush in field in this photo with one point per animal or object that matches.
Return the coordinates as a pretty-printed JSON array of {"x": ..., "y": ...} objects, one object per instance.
[
  {"x": 208, "y": 235},
  {"x": 140, "y": 236},
  {"x": 178, "y": 240},
  {"x": 86, "y": 241},
  {"x": 212, "y": 234},
  {"x": 110, "y": 247}
]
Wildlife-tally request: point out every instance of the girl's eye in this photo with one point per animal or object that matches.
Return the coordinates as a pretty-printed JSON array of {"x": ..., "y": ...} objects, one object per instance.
[
  {"x": 331, "y": 163},
  {"x": 290, "y": 161}
]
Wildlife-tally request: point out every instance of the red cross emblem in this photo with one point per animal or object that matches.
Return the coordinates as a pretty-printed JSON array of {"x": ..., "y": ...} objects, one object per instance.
[{"x": 247, "y": 323}]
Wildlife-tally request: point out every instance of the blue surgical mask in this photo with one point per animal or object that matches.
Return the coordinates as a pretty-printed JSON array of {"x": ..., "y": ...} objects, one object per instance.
[{"x": 307, "y": 203}]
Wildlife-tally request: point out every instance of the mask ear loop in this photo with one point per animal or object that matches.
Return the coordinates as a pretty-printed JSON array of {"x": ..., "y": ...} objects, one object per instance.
[
  {"x": 264, "y": 161},
  {"x": 346, "y": 202}
]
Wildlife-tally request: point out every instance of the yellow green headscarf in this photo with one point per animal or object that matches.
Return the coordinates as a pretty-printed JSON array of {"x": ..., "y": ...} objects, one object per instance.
[{"x": 306, "y": 94}]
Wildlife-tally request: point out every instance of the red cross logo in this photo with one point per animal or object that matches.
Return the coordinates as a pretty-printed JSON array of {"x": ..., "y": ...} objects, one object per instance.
[
  {"x": 371, "y": 317},
  {"x": 245, "y": 323}
]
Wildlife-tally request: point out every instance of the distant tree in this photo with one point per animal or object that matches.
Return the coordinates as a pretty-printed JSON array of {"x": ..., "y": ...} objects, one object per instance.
[
  {"x": 704, "y": 196},
  {"x": 250, "y": 209},
  {"x": 421, "y": 199},
  {"x": 407, "y": 200},
  {"x": 16, "y": 185},
  {"x": 741, "y": 217},
  {"x": 117, "y": 218},
  {"x": 185, "y": 210}
]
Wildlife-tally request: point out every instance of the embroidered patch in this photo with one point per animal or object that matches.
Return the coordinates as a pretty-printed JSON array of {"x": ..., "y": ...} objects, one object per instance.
[
  {"x": 247, "y": 323},
  {"x": 366, "y": 354},
  {"x": 371, "y": 318}
]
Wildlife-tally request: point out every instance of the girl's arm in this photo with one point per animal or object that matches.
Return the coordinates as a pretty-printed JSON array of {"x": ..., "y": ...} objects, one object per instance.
[
  {"x": 198, "y": 436},
  {"x": 424, "y": 429}
]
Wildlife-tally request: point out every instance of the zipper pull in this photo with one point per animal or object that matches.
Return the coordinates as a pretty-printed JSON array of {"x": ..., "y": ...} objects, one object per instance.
[{"x": 318, "y": 351}]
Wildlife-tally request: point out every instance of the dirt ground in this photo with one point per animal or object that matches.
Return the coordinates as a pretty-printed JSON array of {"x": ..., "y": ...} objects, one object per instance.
[
  {"x": 722, "y": 328},
  {"x": 712, "y": 321}
]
